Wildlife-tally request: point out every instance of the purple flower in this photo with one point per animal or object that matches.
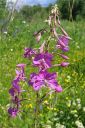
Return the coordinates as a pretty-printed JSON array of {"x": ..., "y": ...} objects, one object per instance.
[
  {"x": 36, "y": 80},
  {"x": 64, "y": 64},
  {"x": 44, "y": 79},
  {"x": 20, "y": 75},
  {"x": 20, "y": 72},
  {"x": 63, "y": 43},
  {"x": 50, "y": 81},
  {"x": 21, "y": 65},
  {"x": 12, "y": 112},
  {"x": 29, "y": 52},
  {"x": 58, "y": 88},
  {"x": 15, "y": 84},
  {"x": 64, "y": 56},
  {"x": 43, "y": 61},
  {"x": 39, "y": 34},
  {"x": 12, "y": 91}
]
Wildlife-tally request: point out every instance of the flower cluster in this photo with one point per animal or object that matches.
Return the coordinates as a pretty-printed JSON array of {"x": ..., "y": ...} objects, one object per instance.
[
  {"x": 15, "y": 90},
  {"x": 44, "y": 79},
  {"x": 42, "y": 58}
]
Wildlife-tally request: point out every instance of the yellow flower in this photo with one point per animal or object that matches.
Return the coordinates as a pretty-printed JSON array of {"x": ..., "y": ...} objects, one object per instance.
[
  {"x": 29, "y": 106},
  {"x": 66, "y": 80},
  {"x": 45, "y": 102},
  {"x": 69, "y": 105},
  {"x": 55, "y": 109},
  {"x": 67, "y": 98}
]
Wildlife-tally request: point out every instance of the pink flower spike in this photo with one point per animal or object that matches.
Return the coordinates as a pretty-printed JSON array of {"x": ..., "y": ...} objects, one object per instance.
[
  {"x": 37, "y": 36},
  {"x": 29, "y": 52},
  {"x": 64, "y": 56},
  {"x": 42, "y": 47},
  {"x": 21, "y": 65},
  {"x": 64, "y": 64},
  {"x": 13, "y": 112},
  {"x": 58, "y": 88}
]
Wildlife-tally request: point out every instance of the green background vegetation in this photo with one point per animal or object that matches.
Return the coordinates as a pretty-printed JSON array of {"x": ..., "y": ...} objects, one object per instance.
[{"x": 70, "y": 104}]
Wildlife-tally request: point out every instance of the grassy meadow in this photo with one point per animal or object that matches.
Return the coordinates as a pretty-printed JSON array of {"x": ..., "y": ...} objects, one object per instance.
[{"x": 68, "y": 108}]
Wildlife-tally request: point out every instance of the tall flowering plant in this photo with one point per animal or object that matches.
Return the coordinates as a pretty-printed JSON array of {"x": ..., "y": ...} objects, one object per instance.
[{"x": 42, "y": 58}]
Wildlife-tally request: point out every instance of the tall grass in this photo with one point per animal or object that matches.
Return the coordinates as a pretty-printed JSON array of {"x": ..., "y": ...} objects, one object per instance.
[{"x": 70, "y": 104}]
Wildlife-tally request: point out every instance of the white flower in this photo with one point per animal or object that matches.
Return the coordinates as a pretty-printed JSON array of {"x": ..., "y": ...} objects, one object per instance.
[
  {"x": 5, "y": 32},
  {"x": 69, "y": 77},
  {"x": 79, "y": 106},
  {"x": 24, "y": 22},
  {"x": 78, "y": 47},
  {"x": 79, "y": 124},
  {"x": 78, "y": 100},
  {"x": 47, "y": 126},
  {"x": 58, "y": 125},
  {"x": 74, "y": 103},
  {"x": 11, "y": 50},
  {"x": 84, "y": 109},
  {"x": 75, "y": 115},
  {"x": 61, "y": 112}
]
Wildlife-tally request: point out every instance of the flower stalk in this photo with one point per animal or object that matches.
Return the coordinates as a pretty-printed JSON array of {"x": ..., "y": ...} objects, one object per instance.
[{"x": 42, "y": 58}]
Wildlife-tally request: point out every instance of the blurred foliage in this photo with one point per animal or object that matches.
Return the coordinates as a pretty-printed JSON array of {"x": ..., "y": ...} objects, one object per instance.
[
  {"x": 31, "y": 11},
  {"x": 78, "y": 9},
  {"x": 2, "y": 8},
  {"x": 69, "y": 9},
  {"x": 69, "y": 106}
]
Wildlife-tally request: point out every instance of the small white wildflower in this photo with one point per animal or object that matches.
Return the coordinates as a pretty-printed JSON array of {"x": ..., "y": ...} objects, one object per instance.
[
  {"x": 47, "y": 126},
  {"x": 11, "y": 50},
  {"x": 75, "y": 115},
  {"x": 84, "y": 109},
  {"x": 78, "y": 47},
  {"x": 79, "y": 124},
  {"x": 73, "y": 111},
  {"x": 74, "y": 103},
  {"x": 69, "y": 77},
  {"x": 61, "y": 112},
  {"x": 58, "y": 125},
  {"x": 78, "y": 100},
  {"x": 5, "y": 32},
  {"x": 24, "y": 22},
  {"x": 79, "y": 106}
]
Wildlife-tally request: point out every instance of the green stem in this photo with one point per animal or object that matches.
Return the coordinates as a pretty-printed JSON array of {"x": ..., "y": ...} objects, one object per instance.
[{"x": 36, "y": 125}]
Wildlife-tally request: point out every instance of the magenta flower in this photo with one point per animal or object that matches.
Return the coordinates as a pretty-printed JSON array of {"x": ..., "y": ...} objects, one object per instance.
[
  {"x": 39, "y": 34},
  {"x": 12, "y": 91},
  {"x": 63, "y": 43},
  {"x": 15, "y": 84},
  {"x": 12, "y": 112},
  {"x": 64, "y": 64},
  {"x": 29, "y": 52},
  {"x": 50, "y": 81},
  {"x": 44, "y": 79},
  {"x": 64, "y": 56},
  {"x": 20, "y": 72},
  {"x": 36, "y": 80},
  {"x": 21, "y": 66},
  {"x": 43, "y": 61}
]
